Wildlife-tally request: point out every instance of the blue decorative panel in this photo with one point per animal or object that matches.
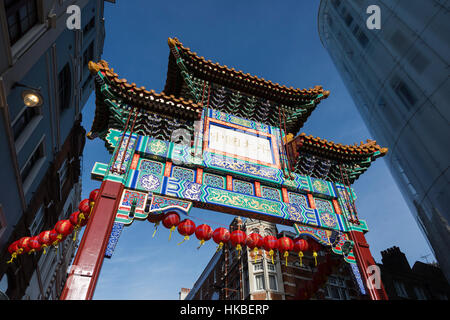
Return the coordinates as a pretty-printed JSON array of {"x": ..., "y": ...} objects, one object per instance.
[
  {"x": 270, "y": 193},
  {"x": 214, "y": 180},
  {"x": 149, "y": 166},
  {"x": 243, "y": 187},
  {"x": 298, "y": 199},
  {"x": 113, "y": 239},
  {"x": 183, "y": 174}
]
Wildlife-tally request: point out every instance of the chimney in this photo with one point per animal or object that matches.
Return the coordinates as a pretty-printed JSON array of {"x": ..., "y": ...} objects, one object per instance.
[{"x": 395, "y": 260}]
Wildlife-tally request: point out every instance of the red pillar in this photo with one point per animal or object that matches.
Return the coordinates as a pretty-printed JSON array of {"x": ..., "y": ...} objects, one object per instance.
[
  {"x": 364, "y": 259},
  {"x": 82, "y": 278}
]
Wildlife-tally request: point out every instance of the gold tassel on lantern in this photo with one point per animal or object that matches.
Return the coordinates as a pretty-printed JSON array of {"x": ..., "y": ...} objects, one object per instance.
[
  {"x": 255, "y": 252},
  {"x": 239, "y": 248},
  {"x": 271, "y": 255},
  {"x": 156, "y": 229},
  {"x": 170, "y": 232},
  {"x": 315, "y": 258},
  {"x": 185, "y": 238},
  {"x": 219, "y": 247},
  {"x": 286, "y": 254},
  {"x": 201, "y": 243},
  {"x": 300, "y": 255}
]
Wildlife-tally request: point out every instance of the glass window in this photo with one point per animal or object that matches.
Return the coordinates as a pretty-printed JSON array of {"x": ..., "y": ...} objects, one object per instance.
[
  {"x": 420, "y": 293},
  {"x": 37, "y": 155},
  {"x": 63, "y": 173},
  {"x": 21, "y": 16},
  {"x": 38, "y": 221},
  {"x": 404, "y": 93},
  {"x": 89, "y": 26},
  {"x": 273, "y": 282},
  {"x": 20, "y": 124},
  {"x": 259, "y": 282},
  {"x": 258, "y": 266},
  {"x": 400, "y": 289},
  {"x": 348, "y": 19},
  {"x": 88, "y": 54},
  {"x": 64, "y": 87},
  {"x": 271, "y": 267}
]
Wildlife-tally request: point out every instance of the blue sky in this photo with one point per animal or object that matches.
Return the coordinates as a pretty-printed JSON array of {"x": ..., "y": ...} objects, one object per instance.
[{"x": 274, "y": 40}]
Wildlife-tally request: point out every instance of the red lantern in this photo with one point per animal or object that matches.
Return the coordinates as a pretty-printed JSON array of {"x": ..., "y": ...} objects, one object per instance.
[
  {"x": 203, "y": 233},
  {"x": 14, "y": 250},
  {"x": 170, "y": 221},
  {"x": 54, "y": 238},
  {"x": 238, "y": 239},
  {"x": 254, "y": 241},
  {"x": 300, "y": 245},
  {"x": 45, "y": 239},
  {"x": 24, "y": 243},
  {"x": 186, "y": 228},
  {"x": 78, "y": 219},
  {"x": 221, "y": 235},
  {"x": 270, "y": 244},
  {"x": 85, "y": 207},
  {"x": 93, "y": 195},
  {"x": 34, "y": 244},
  {"x": 285, "y": 244},
  {"x": 156, "y": 219},
  {"x": 64, "y": 228},
  {"x": 314, "y": 247}
]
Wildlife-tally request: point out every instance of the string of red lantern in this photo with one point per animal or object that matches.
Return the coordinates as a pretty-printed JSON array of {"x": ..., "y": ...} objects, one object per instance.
[
  {"x": 237, "y": 238},
  {"x": 59, "y": 233}
]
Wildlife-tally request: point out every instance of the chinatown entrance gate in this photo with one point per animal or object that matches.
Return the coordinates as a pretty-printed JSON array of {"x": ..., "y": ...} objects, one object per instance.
[{"x": 222, "y": 140}]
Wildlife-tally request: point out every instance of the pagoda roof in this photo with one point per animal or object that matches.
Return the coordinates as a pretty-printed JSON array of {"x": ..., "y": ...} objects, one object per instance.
[
  {"x": 338, "y": 151},
  {"x": 235, "y": 79},
  {"x": 353, "y": 160},
  {"x": 131, "y": 94}
]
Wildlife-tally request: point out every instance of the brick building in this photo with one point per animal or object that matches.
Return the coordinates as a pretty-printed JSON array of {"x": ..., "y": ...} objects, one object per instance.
[
  {"x": 228, "y": 277},
  {"x": 424, "y": 281}
]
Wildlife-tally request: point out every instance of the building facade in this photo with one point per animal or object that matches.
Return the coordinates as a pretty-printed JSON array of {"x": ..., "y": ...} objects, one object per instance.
[
  {"x": 230, "y": 277},
  {"x": 41, "y": 143},
  {"x": 398, "y": 78},
  {"x": 424, "y": 281}
]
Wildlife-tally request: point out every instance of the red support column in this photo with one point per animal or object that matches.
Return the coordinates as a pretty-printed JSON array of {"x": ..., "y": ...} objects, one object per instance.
[
  {"x": 364, "y": 259},
  {"x": 82, "y": 278}
]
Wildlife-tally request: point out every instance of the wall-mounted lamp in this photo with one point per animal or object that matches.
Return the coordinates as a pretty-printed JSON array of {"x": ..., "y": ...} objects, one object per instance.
[{"x": 31, "y": 96}]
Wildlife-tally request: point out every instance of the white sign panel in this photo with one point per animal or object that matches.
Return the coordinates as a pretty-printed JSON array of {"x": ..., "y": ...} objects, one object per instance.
[{"x": 234, "y": 142}]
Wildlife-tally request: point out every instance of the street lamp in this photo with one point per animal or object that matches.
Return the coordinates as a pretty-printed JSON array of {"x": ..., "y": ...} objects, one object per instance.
[{"x": 31, "y": 96}]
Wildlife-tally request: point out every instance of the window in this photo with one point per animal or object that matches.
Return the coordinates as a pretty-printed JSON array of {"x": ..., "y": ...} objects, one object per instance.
[
  {"x": 62, "y": 172},
  {"x": 363, "y": 40},
  {"x": 404, "y": 93},
  {"x": 21, "y": 16},
  {"x": 258, "y": 266},
  {"x": 271, "y": 267},
  {"x": 88, "y": 54},
  {"x": 400, "y": 289},
  {"x": 348, "y": 19},
  {"x": 89, "y": 26},
  {"x": 64, "y": 87},
  {"x": 259, "y": 282},
  {"x": 420, "y": 293},
  {"x": 38, "y": 221},
  {"x": 273, "y": 282},
  {"x": 336, "y": 3},
  {"x": 35, "y": 157},
  {"x": 24, "y": 119}
]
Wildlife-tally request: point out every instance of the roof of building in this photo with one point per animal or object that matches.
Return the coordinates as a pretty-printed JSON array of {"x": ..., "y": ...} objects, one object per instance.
[
  {"x": 337, "y": 151},
  {"x": 235, "y": 79},
  {"x": 136, "y": 96}
]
